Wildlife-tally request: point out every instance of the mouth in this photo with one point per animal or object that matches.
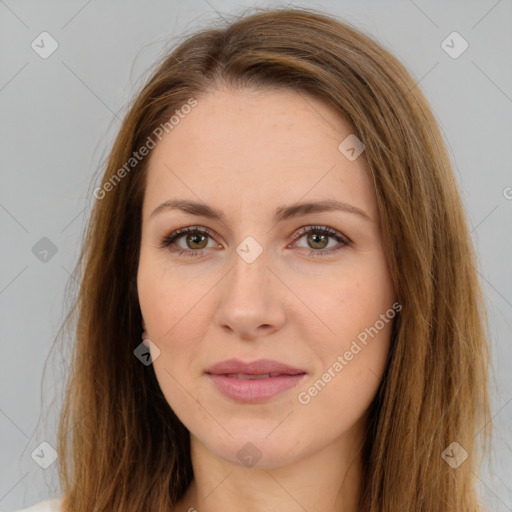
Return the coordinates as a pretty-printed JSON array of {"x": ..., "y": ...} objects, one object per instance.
[
  {"x": 254, "y": 382},
  {"x": 249, "y": 376},
  {"x": 260, "y": 367}
]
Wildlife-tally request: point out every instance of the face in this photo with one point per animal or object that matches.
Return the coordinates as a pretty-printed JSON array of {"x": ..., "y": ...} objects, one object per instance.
[{"x": 304, "y": 287}]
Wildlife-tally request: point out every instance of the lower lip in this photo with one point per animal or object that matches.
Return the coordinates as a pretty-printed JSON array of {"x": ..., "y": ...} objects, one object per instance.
[{"x": 254, "y": 390}]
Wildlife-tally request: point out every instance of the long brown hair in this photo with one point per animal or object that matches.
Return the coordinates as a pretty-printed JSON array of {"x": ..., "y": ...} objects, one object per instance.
[{"x": 120, "y": 445}]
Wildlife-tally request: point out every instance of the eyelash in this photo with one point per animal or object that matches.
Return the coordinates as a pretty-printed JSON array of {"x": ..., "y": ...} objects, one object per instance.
[{"x": 322, "y": 230}]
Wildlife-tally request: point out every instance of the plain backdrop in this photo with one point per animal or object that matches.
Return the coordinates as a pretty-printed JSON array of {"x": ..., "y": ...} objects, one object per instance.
[{"x": 59, "y": 115}]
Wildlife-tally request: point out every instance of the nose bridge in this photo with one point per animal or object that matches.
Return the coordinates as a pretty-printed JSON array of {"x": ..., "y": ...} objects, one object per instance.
[
  {"x": 249, "y": 296},
  {"x": 250, "y": 274}
]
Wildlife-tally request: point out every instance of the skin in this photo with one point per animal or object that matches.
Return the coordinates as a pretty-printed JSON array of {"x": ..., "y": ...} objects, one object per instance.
[{"x": 245, "y": 153}]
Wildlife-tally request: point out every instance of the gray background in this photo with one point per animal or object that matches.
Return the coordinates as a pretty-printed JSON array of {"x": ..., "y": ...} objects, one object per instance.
[{"x": 60, "y": 114}]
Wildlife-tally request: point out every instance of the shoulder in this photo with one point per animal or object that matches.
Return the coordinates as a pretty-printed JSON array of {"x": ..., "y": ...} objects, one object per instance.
[{"x": 48, "y": 505}]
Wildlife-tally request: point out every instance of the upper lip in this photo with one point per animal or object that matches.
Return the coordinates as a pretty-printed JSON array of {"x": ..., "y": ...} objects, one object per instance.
[{"x": 259, "y": 367}]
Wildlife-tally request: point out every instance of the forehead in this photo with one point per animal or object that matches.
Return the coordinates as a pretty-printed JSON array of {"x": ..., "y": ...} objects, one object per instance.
[{"x": 257, "y": 147}]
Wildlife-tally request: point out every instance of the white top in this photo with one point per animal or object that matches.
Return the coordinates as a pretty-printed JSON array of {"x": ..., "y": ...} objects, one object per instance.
[{"x": 48, "y": 505}]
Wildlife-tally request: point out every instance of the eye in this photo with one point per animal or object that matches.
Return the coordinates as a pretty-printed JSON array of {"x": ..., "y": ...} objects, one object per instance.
[
  {"x": 194, "y": 236},
  {"x": 318, "y": 239},
  {"x": 196, "y": 240}
]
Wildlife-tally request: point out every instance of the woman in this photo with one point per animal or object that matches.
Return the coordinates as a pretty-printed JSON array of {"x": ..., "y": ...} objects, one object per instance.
[{"x": 279, "y": 307}]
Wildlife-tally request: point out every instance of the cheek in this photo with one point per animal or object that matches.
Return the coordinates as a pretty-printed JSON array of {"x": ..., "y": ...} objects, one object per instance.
[
  {"x": 351, "y": 301},
  {"x": 169, "y": 303},
  {"x": 173, "y": 325},
  {"x": 341, "y": 391},
  {"x": 357, "y": 308},
  {"x": 175, "y": 319}
]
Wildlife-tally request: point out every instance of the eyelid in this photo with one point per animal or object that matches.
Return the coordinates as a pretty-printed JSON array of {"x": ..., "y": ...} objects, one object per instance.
[
  {"x": 181, "y": 232},
  {"x": 327, "y": 230}
]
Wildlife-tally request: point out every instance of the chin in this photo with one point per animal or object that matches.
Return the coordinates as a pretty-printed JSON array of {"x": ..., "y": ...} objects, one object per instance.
[{"x": 251, "y": 449}]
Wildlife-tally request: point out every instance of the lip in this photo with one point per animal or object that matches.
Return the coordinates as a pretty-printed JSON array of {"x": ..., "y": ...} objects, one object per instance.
[
  {"x": 256, "y": 389},
  {"x": 257, "y": 367}
]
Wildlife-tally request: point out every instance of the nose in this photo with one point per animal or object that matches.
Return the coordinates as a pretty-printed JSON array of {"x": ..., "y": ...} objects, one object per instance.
[{"x": 252, "y": 302}]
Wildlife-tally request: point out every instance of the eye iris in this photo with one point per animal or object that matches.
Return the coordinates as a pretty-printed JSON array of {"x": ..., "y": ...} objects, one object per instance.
[
  {"x": 195, "y": 239},
  {"x": 315, "y": 237}
]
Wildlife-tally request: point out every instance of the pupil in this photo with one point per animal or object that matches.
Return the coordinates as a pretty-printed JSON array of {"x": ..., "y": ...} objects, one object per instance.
[
  {"x": 316, "y": 236},
  {"x": 195, "y": 237}
]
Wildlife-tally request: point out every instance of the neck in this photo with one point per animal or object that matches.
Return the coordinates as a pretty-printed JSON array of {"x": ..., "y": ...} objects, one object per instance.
[{"x": 327, "y": 481}]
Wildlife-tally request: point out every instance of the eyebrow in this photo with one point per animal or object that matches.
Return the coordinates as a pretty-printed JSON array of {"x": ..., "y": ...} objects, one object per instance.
[{"x": 280, "y": 214}]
